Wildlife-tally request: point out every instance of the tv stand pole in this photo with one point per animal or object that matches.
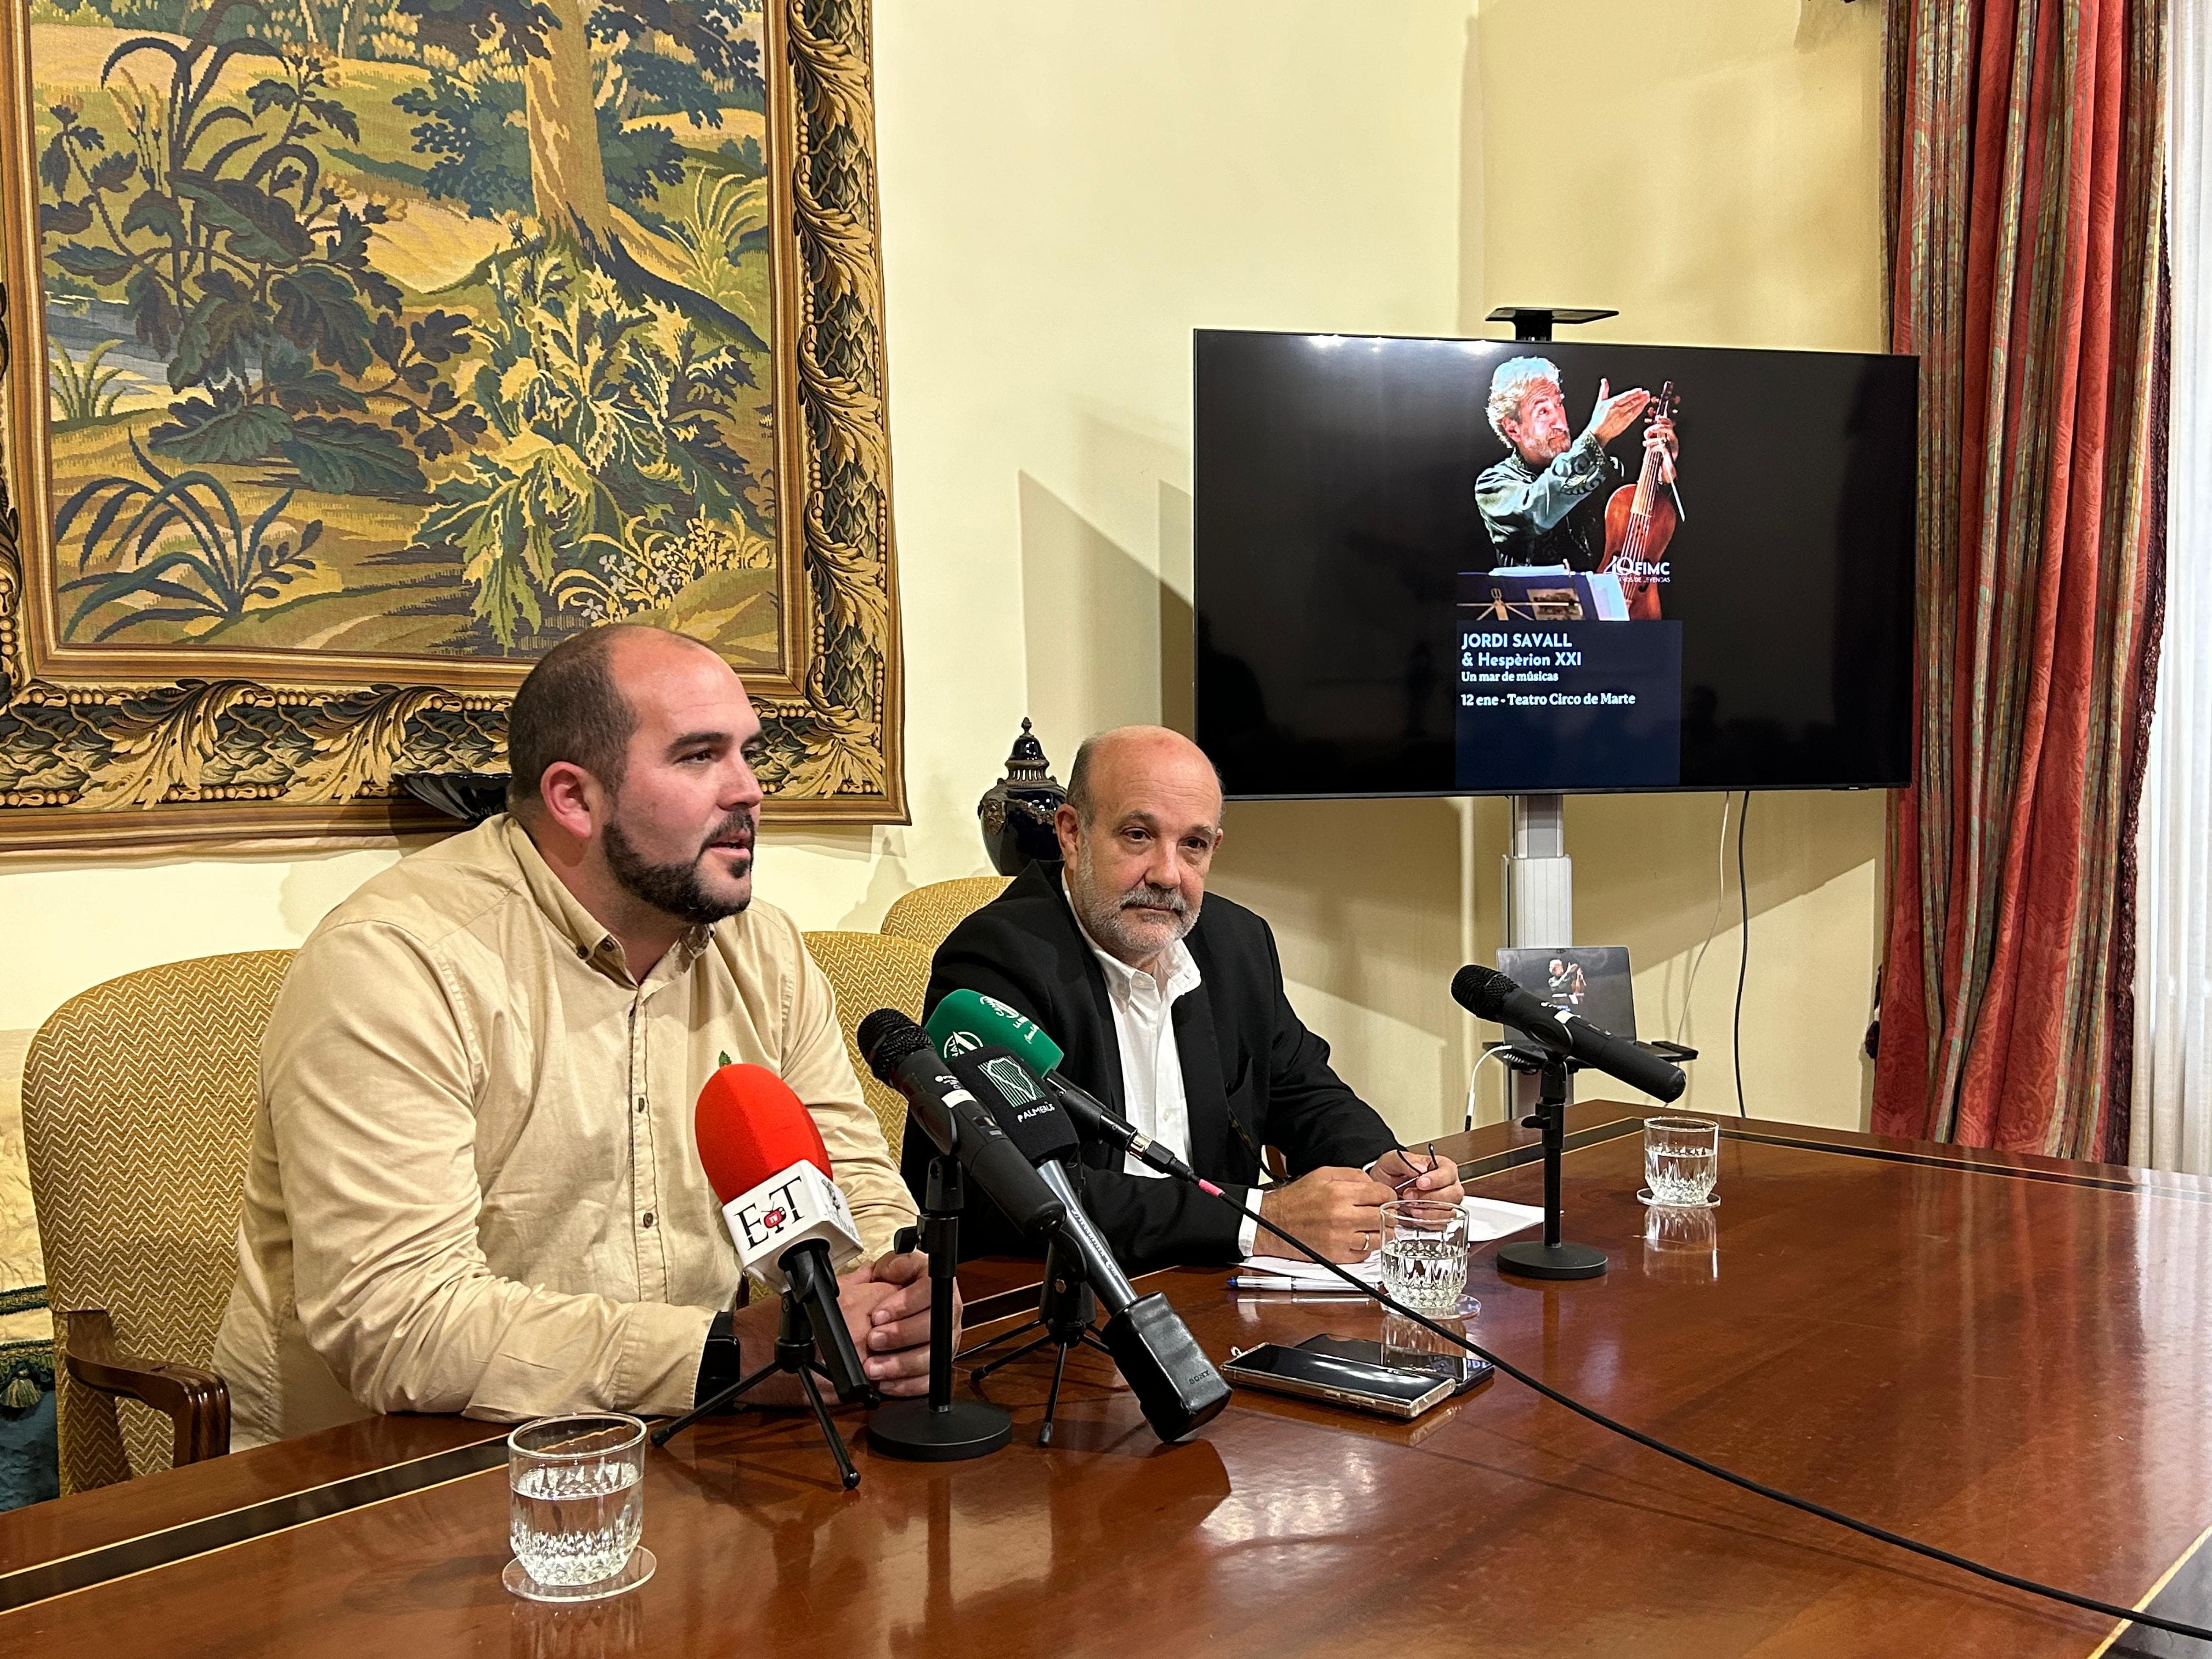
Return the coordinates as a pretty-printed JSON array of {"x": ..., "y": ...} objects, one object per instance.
[
  {"x": 1540, "y": 877},
  {"x": 1540, "y": 904}
]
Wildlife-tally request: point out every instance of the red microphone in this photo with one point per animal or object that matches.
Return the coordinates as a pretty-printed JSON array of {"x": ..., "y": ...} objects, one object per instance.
[
  {"x": 749, "y": 1125},
  {"x": 789, "y": 1220}
]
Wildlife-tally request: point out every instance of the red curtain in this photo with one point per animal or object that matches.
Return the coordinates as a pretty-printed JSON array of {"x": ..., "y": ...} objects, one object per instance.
[{"x": 2026, "y": 169}]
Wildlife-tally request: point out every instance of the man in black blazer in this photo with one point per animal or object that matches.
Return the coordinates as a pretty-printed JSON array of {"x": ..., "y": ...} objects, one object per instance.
[{"x": 1175, "y": 1020}]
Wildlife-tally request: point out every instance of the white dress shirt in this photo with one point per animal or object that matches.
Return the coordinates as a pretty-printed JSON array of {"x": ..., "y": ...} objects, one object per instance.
[{"x": 1152, "y": 1094}]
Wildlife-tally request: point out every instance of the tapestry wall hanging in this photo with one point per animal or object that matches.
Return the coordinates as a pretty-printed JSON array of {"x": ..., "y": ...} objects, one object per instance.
[{"x": 357, "y": 351}]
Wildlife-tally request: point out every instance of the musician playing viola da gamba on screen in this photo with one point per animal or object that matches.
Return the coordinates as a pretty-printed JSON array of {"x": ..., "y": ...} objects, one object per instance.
[{"x": 1546, "y": 504}]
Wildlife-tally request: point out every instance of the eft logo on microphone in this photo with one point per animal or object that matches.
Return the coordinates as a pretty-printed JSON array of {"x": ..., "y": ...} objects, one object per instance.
[{"x": 772, "y": 1217}]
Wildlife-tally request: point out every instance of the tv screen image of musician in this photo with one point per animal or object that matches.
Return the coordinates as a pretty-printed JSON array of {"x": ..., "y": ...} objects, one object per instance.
[
  {"x": 1438, "y": 566},
  {"x": 1548, "y": 692}
]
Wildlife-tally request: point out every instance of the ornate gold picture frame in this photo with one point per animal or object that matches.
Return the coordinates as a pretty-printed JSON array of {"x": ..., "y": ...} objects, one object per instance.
[{"x": 310, "y": 449}]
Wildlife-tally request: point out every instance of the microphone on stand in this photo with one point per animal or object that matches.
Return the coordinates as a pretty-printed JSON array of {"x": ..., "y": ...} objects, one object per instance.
[
  {"x": 793, "y": 1229},
  {"x": 1488, "y": 995},
  {"x": 943, "y": 1430},
  {"x": 1012, "y": 1093},
  {"x": 901, "y": 1055},
  {"x": 1176, "y": 1384},
  {"x": 968, "y": 1020}
]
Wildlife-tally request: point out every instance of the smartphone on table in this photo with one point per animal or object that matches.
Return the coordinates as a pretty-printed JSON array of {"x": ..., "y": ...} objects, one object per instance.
[{"x": 1363, "y": 1384}]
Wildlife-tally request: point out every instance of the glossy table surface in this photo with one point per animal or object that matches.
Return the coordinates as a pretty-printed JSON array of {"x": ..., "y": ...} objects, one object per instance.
[{"x": 2004, "y": 1355}]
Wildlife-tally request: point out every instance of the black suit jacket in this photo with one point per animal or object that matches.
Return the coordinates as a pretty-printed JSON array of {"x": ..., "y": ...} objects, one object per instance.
[{"x": 1254, "y": 1075}]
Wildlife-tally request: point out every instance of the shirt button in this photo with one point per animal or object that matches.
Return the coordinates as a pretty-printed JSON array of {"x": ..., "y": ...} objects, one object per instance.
[
  {"x": 641, "y": 1103},
  {"x": 584, "y": 950},
  {"x": 648, "y": 1218}
]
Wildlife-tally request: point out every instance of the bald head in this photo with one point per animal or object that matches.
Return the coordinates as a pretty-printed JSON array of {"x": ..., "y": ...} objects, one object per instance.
[
  {"x": 633, "y": 751},
  {"x": 1109, "y": 765},
  {"x": 1137, "y": 838},
  {"x": 573, "y": 706}
]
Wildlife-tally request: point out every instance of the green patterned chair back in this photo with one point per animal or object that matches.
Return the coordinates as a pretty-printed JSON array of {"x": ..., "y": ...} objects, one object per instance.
[
  {"x": 869, "y": 971},
  {"x": 927, "y": 914},
  {"x": 138, "y": 1100}
]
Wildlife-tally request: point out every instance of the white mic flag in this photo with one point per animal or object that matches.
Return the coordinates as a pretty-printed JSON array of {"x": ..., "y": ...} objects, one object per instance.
[{"x": 787, "y": 1209}]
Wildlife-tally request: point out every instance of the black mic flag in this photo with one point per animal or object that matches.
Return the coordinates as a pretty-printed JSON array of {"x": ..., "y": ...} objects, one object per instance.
[
  {"x": 900, "y": 1054},
  {"x": 1176, "y": 1384}
]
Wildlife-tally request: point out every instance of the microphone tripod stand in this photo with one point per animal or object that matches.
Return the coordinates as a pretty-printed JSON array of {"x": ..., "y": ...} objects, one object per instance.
[
  {"x": 1065, "y": 1307},
  {"x": 794, "y": 1353},
  {"x": 940, "y": 1430},
  {"x": 1551, "y": 1259}
]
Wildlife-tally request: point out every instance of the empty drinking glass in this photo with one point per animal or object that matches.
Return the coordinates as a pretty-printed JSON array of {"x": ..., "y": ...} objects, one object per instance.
[
  {"x": 576, "y": 1507},
  {"x": 1425, "y": 1253},
  {"x": 1682, "y": 1156}
]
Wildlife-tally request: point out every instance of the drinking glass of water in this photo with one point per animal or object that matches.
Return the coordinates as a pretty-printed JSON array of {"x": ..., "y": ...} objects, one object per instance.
[
  {"x": 1425, "y": 1253},
  {"x": 576, "y": 1507},
  {"x": 1681, "y": 1158}
]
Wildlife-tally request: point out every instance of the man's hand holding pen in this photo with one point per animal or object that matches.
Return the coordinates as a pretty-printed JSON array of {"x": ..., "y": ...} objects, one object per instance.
[
  {"x": 1339, "y": 1212},
  {"x": 1420, "y": 1175}
]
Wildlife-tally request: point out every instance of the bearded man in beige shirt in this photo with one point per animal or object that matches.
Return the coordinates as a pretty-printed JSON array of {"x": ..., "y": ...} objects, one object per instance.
[{"x": 474, "y": 1186}]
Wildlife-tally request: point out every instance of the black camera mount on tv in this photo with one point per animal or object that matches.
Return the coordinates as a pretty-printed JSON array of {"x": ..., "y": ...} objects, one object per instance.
[{"x": 1536, "y": 322}]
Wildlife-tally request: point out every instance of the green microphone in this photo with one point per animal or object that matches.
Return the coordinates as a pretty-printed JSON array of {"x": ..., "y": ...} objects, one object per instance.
[{"x": 968, "y": 1020}]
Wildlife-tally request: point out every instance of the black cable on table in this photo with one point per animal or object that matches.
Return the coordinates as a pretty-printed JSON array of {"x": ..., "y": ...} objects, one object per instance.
[
  {"x": 1865, "y": 1529},
  {"x": 1742, "y": 956}
]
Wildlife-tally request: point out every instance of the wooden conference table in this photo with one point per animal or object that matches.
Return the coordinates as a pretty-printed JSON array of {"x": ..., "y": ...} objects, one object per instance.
[{"x": 2009, "y": 1357}]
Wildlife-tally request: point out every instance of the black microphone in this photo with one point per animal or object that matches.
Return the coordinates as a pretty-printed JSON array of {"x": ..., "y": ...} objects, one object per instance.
[
  {"x": 1093, "y": 1116},
  {"x": 899, "y": 1053},
  {"x": 1011, "y": 1092},
  {"x": 965, "y": 1021},
  {"x": 1488, "y": 995},
  {"x": 1176, "y": 1384}
]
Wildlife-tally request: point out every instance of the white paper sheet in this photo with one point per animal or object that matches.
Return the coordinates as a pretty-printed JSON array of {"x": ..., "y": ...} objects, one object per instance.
[{"x": 1487, "y": 1218}]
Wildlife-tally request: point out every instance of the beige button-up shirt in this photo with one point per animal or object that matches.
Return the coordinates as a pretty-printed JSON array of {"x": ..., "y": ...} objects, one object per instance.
[{"x": 473, "y": 1185}]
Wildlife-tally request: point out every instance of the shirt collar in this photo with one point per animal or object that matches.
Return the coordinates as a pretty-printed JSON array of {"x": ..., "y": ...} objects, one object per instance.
[
  {"x": 1121, "y": 980},
  {"x": 582, "y": 929}
]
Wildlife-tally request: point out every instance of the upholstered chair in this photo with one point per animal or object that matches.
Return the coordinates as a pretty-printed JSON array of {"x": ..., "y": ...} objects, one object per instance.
[
  {"x": 138, "y": 1099},
  {"x": 869, "y": 971}
]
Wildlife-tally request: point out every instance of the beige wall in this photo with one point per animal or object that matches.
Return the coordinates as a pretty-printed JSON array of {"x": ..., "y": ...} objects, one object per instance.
[
  {"x": 1068, "y": 191},
  {"x": 1713, "y": 171}
]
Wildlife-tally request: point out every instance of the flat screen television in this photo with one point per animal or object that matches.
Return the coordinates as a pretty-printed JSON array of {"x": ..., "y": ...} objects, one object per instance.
[{"x": 1486, "y": 567}]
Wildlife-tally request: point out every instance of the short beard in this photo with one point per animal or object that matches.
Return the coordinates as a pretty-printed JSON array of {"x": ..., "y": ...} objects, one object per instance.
[
  {"x": 674, "y": 889},
  {"x": 1541, "y": 452},
  {"x": 1102, "y": 916}
]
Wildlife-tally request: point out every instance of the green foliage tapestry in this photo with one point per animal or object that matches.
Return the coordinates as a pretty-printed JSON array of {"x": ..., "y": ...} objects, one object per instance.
[{"x": 425, "y": 328}]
